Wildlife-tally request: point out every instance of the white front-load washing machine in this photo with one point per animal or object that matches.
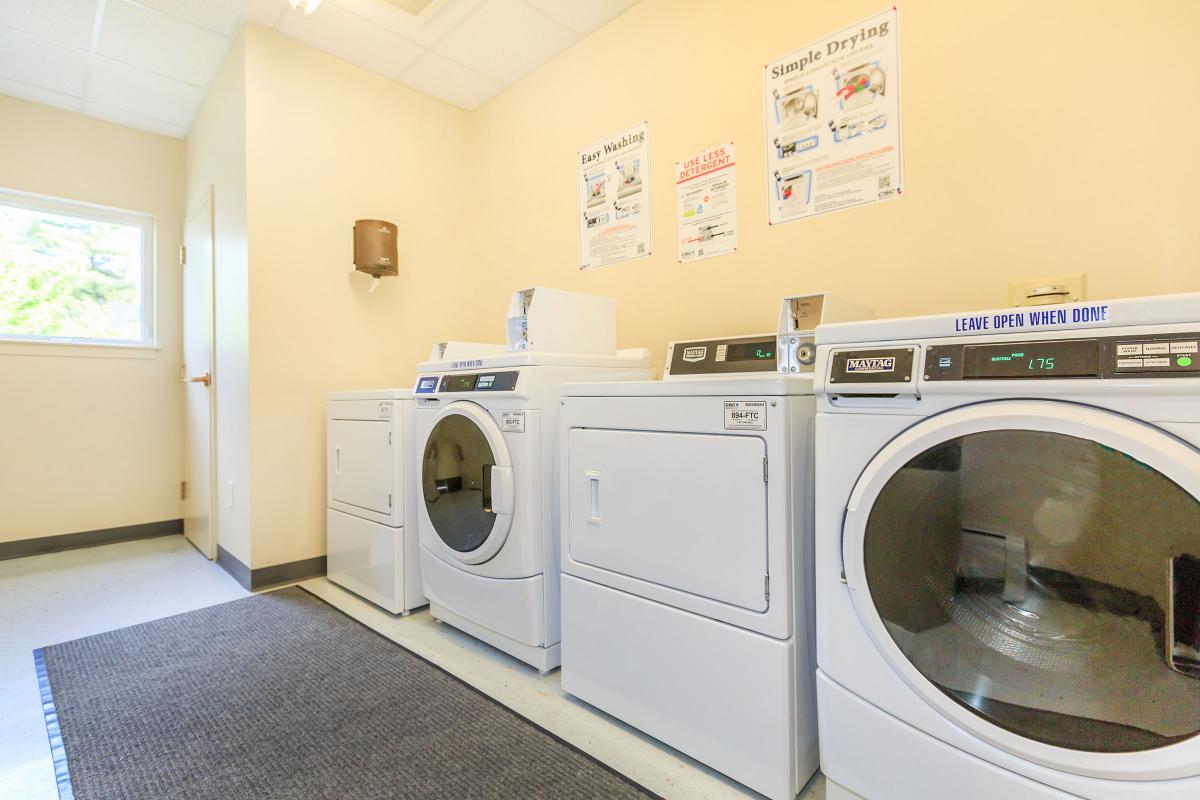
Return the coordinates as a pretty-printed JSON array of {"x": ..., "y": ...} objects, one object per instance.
[
  {"x": 686, "y": 525},
  {"x": 1008, "y": 553},
  {"x": 371, "y": 496},
  {"x": 488, "y": 543}
]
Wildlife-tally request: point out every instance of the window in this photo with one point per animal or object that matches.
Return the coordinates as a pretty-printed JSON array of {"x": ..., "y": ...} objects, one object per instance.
[{"x": 73, "y": 272}]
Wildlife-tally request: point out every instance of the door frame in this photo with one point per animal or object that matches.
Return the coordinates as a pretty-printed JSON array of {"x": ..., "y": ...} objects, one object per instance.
[
  {"x": 1152, "y": 446},
  {"x": 206, "y": 198}
]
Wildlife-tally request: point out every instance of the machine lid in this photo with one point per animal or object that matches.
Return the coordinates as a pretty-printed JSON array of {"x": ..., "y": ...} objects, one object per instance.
[
  {"x": 748, "y": 385},
  {"x": 467, "y": 483},
  {"x": 1032, "y": 570},
  {"x": 372, "y": 394}
]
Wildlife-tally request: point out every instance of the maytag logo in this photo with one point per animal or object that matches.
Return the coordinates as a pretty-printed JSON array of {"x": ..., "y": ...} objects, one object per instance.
[
  {"x": 862, "y": 366},
  {"x": 694, "y": 354},
  {"x": 468, "y": 364}
]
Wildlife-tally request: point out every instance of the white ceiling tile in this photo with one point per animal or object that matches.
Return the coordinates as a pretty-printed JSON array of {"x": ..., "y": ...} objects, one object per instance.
[
  {"x": 137, "y": 91},
  {"x": 37, "y": 62},
  {"x": 440, "y": 77},
  {"x": 34, "y": 94},
  {"x": 219, "y": 16},
  {"x": 581, "y": 16},
  {"x": 426, "y": 31},
  {"x": 160, "y": 43},
  {"x": 504, "y": 40},
  {"x": 131, "y": 120},
  {"x": 65, "y": 21},
  {"x": 352, "y": 38}
]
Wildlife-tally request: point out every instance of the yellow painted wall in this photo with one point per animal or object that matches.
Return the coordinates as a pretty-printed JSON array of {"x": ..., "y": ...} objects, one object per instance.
[
  {"x": 90, "y": 439},
  {"x": 216, "y": 149},
  {"x": 329, "y": 143},
  {"x": 1039, "y": 139}
]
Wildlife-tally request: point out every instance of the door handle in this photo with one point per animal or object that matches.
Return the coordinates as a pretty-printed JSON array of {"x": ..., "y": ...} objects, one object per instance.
[
  {"x": 206, "y": 378},
  {"x": 487, "y": 488},
  {"x": 593, "y": 476},
  {"x": 337, "y": 460}
]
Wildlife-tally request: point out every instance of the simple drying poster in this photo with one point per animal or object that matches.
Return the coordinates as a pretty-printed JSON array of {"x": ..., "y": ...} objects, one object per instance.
[
  {"x": 833, "y": 122},
  {"x": 706, "y": 204},
  {"x": 614, "y": 199}
]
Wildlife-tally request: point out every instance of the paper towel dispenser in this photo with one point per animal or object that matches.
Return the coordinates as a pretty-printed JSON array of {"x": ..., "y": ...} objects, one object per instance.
[{"x": 375, "y": 248}]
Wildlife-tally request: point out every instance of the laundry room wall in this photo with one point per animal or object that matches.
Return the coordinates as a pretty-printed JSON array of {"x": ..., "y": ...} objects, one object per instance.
[
  {"x": 328, "y": 143},
  {"x": 216, "y": 161},
  {"x": 90, "y": 438},
  {"x": 1039, "y": 139}
]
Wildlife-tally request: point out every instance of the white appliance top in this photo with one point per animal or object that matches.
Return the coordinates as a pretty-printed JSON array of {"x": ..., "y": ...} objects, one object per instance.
[
  {"x": 766, "y": 384},
  {"x": 372, "y": 394},
  {"x": 633, "y": 358},
  {"x": 1159, "y": 310}
]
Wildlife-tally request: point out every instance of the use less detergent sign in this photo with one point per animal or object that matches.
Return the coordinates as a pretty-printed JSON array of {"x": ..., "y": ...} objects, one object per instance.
[{"x": 1031, "y": 320}]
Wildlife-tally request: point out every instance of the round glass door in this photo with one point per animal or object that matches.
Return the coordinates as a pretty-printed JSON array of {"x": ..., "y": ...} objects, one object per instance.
[
  {"x": 1046, "y": 583},
  {"x": 456, "y": 482}
]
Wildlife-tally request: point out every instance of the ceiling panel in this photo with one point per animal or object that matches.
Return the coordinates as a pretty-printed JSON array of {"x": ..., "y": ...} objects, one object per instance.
[
  {"x": 135, "y": 90},
  {"x": 148, "y": 63},
  {"x": 440, "y": 77},
  {"x": 352, "y": 38},
  {"x": 504, "y": 40},
  {"x": 581, "y": 17},
  {"x": 36, "y": 94},
  {"x": 38, "y": 62},
  {"x": 64, "y": 21},
  {"x": 160, "y": 43}
]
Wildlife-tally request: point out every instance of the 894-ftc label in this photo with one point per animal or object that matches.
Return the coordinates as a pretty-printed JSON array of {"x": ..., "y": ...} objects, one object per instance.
[{"x": 745, "y": 415}]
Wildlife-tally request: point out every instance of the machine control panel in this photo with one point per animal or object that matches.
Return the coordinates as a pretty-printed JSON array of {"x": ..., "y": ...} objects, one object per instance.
[
  {"x": 468, "y": 382},
  {"x": 1153, "y": 356},
  {"x": 739, "y": 354},
  {"x": 874, "y": 365}
]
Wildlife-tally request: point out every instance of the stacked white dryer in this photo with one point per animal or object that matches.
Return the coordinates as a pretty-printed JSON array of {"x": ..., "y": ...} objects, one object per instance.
[{"x": 686, "y": 527}]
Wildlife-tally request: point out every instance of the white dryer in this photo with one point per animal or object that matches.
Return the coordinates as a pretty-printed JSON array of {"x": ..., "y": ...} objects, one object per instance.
[
  {"x": 371, "y": 494},
  {"x": 1008, "y": 553},
  {"x": 686, "y": 521}
]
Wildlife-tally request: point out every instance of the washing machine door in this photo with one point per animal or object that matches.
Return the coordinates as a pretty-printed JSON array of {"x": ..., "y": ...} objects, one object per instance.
[
  {"x": 1032, "y": 570},
  {"x": 467, "y": 483}
]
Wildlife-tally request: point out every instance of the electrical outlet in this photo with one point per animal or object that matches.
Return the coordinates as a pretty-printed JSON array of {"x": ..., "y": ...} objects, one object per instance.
[{"x": 1048, "y": 291}]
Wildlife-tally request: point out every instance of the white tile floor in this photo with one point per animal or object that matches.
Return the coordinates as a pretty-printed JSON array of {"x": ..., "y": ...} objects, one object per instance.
[{"x": 63, "y": 596}]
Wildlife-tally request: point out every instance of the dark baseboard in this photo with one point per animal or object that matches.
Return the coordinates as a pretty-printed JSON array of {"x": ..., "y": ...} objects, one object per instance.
[
  {"x": 230, "y": 563},
  {"x": 73, "y": 541},
  {"x": 264, "y": 577}
]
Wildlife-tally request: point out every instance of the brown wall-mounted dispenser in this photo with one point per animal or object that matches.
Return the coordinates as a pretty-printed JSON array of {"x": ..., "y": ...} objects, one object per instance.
[{"x": 375, "y": 249}]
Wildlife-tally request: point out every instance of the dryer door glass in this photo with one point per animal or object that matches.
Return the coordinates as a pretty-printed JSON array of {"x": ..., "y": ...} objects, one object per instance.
[
  {"x": 1047, "y": 583},
  {"x": 456, "y": 482}
]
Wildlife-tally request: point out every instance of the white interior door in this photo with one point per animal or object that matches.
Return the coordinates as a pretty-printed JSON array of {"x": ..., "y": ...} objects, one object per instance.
[{"x": 199, "y": 519}]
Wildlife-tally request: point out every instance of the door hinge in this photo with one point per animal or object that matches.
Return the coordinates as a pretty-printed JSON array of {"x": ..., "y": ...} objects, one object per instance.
[
  {"x": 183, "y": 255},
  {"x": 764, "y": 469},
  {"x": 389, "y": 500},
  {"x": 766, "y": 587},
  {"x": 183, "y": 490},
  {"x": 389, "y": 437}
]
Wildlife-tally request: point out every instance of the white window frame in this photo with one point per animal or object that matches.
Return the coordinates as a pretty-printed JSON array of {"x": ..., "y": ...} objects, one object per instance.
[{"x": 91, "y": 211}]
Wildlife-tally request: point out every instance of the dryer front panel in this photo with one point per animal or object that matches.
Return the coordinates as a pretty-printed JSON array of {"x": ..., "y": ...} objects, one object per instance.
[
  {"x": 1033, "y": 569},
  {"x": 685, "y": 511},
  {"x": 360, "y": 454}
]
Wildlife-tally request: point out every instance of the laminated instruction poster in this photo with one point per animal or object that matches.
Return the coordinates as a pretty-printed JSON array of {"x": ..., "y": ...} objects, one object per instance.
[
  {"x": 706, "y": 204},
  {"x": 614, "y": 199},
  {"x": 833, "y": 122}
]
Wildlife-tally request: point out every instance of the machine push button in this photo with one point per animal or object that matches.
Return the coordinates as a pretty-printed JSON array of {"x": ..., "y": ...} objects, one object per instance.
[
  {"x": 1156, "y": 348},
  {"x": 1129, "y": 350}
]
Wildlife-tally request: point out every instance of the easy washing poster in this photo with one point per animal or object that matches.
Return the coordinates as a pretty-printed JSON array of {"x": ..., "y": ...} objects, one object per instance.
[
  {"x": 833, "y": 122},
  {"x": 614, "y": 199}
]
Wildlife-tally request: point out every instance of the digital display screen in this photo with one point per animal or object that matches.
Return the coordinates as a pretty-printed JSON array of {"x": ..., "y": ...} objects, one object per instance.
[
  {"x": 486, "y": 381},
  {"x": 1072, "y": 358},
  {"x": 427, "y": 384},
  {"x": 458, "y": 383},
  {"x": 751, "y": 351}
]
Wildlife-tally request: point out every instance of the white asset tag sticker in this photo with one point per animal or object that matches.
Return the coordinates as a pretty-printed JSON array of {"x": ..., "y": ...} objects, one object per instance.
[
  {"x": 514, "y": 421},
  {"x": 745, "y": 415}
]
